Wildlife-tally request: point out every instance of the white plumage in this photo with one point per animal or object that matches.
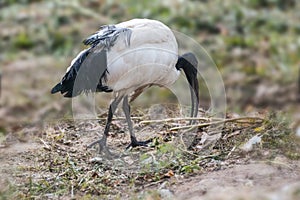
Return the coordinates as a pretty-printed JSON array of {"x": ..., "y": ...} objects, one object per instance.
[
  {"x": 131, "y": 55},
  {"x": 153, "y": 51}
]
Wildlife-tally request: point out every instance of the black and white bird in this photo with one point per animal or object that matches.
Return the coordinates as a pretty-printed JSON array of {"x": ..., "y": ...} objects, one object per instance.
[{"x": 125, "y": 59}]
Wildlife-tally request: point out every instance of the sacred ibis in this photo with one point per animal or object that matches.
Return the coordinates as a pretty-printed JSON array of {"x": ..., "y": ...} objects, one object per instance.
[{"x": 125, "y": 59}]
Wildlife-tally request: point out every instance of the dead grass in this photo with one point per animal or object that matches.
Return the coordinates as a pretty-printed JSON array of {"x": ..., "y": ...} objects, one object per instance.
[{"x": 61, "y": 166}]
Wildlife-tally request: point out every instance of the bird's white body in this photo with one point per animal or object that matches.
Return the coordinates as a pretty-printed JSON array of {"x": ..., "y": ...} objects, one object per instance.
[
  {"x": 147, "y": 58},
  {"x": 126, "y": 58},
  {"x": 150, "y": 57}
]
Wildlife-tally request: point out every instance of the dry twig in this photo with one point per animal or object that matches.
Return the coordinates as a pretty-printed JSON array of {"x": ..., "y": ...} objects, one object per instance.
[
  {"x": 178, "y": 119},
  {"x": 237, "y": 120}
]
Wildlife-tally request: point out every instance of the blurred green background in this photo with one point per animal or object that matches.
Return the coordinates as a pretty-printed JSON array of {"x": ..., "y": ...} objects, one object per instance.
[{"x": 254, "y": 43}]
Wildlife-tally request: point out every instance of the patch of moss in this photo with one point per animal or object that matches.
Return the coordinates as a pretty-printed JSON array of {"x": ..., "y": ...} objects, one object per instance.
[
  {"x": 8, "y": 192},
  {"x": 23, "y": 41},
  {"x": 279, "y": 137}
]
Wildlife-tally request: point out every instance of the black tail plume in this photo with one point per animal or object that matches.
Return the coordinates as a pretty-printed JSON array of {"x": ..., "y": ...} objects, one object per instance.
[
  {"x": 86, "y": 74},
  {"x": 56, "y": 88},
  {"x": 67, "y": 83}
]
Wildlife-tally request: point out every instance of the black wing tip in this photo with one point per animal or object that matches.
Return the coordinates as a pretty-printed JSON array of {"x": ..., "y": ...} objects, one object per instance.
[
  {"x": 65, "y": 93},
  {"x": 56, "y": 88}
]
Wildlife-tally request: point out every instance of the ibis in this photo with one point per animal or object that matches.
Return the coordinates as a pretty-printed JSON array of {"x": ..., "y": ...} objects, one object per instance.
[{"x": 125, "y": 59}]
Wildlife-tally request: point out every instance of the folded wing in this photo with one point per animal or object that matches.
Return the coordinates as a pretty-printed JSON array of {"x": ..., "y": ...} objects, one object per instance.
[{"x": 88, "y": 70}]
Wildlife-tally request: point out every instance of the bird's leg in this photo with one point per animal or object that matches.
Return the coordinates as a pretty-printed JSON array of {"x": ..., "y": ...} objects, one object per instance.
[
  {"x": 102, "y": 142},
  {"x": 134, "y": 142}
]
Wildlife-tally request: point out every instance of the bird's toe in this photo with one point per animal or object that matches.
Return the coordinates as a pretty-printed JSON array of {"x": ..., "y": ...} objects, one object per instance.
[
  {"x": 102, "y": 147},
  {"x": 136, "y": 143}
]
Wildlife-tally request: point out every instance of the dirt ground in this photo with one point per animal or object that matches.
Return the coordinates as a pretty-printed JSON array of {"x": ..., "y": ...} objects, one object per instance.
[
  {"x": 255, "y": 180},
  {"x": 32, "y": 168},
  {"x": 252, "y": 179}
]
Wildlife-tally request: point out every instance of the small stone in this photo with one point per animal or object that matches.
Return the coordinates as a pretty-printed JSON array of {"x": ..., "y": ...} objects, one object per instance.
[
  {"x": 166, "y": 194},
  {"x": 96, "y": 160}
]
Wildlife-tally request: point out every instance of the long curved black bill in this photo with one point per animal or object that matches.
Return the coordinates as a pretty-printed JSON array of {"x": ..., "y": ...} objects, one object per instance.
[
  {"x": 194, "y": 90},
  {"x": 189, "y": 63}
]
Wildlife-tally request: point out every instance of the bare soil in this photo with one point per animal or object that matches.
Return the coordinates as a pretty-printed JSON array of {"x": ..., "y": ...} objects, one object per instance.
[
  {"x": 56, "y": 165},
  {"x": 254, "y": 180}
]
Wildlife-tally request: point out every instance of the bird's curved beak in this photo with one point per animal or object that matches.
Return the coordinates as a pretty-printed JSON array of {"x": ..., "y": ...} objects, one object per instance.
[
  {"x": 194, "y": 89},
  {"x": 189, "y": 63}
]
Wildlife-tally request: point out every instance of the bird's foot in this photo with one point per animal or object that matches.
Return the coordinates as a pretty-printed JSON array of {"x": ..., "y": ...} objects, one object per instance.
[
  {"x": 102, "y": 147},
  {"x": 135, "y": 143}
]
